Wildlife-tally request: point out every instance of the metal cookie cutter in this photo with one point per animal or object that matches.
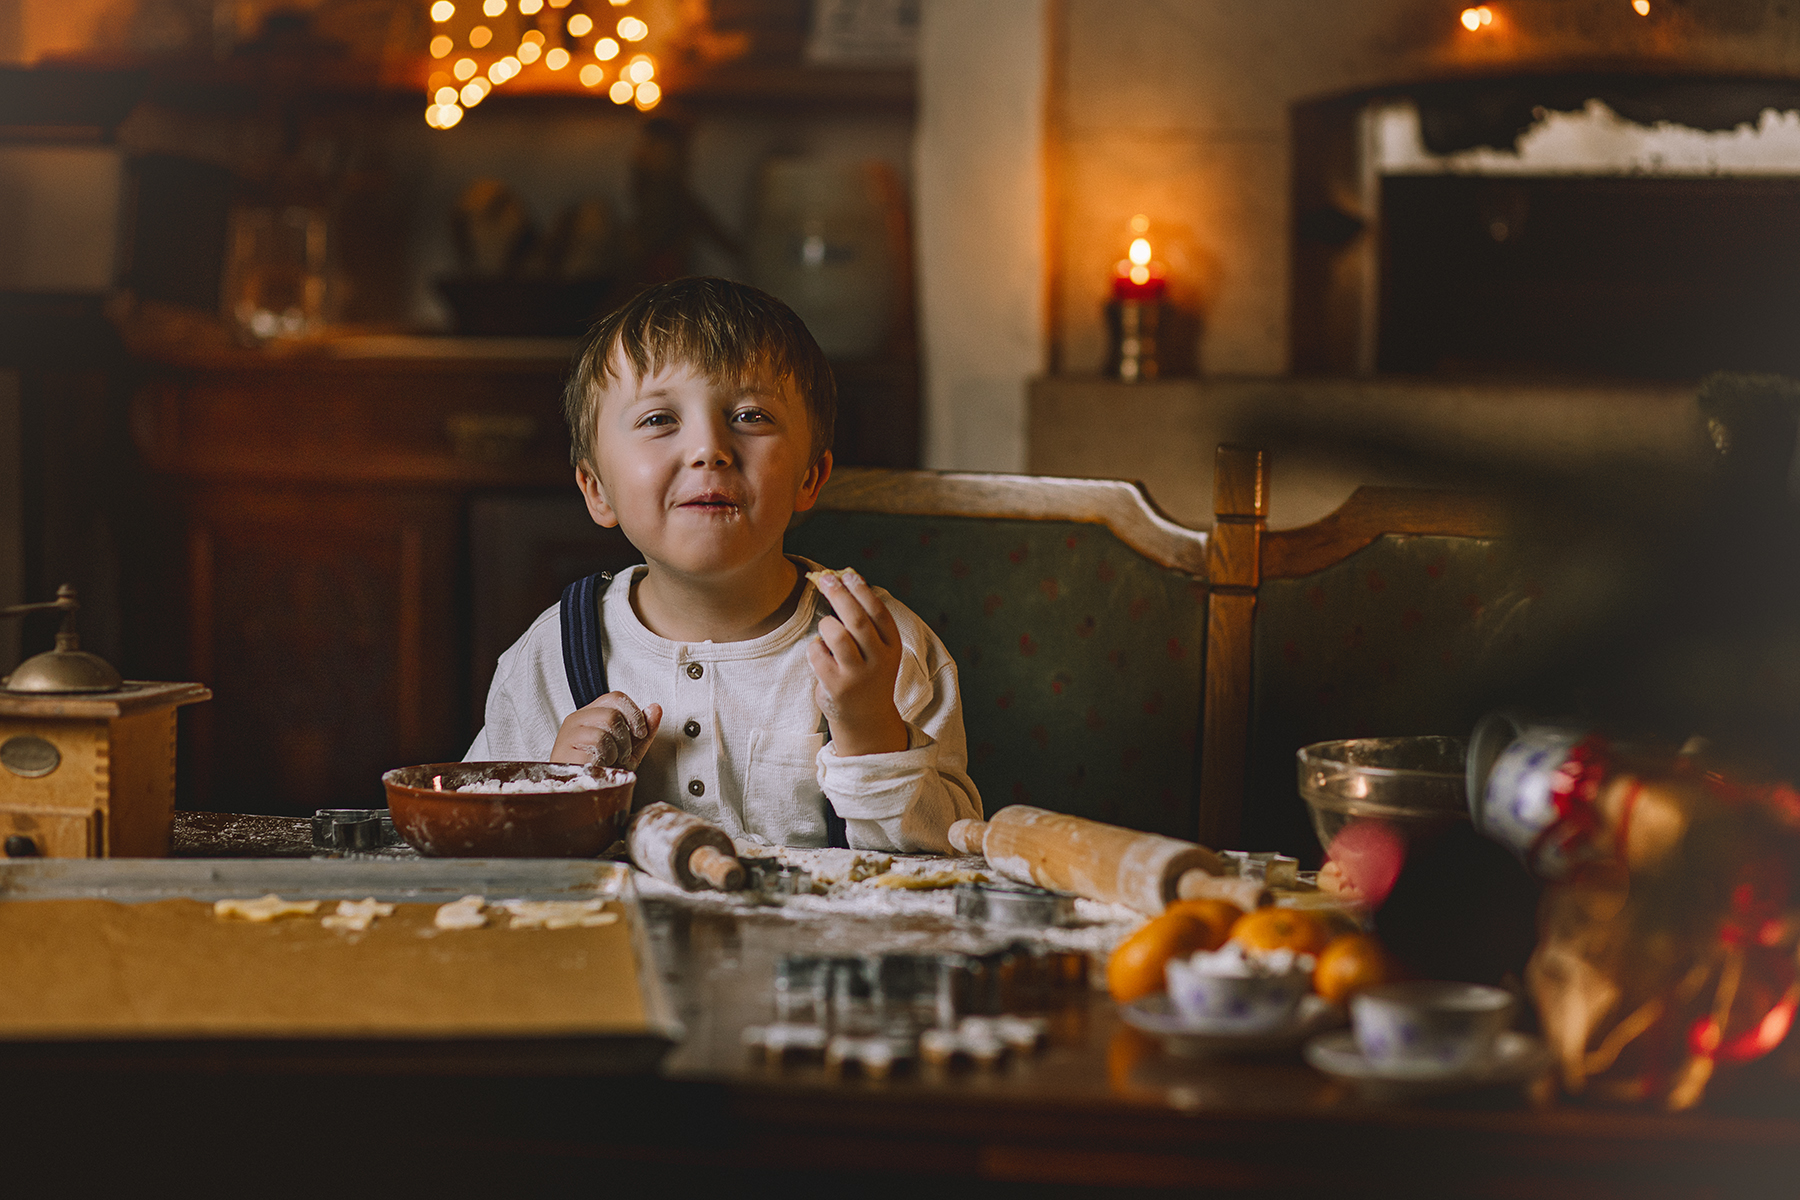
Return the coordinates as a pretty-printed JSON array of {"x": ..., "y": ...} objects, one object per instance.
[
  {"x": 770, "y": 877},
  {"x": 1014, "y": 904},
  {"x": 354, "y": 829}
]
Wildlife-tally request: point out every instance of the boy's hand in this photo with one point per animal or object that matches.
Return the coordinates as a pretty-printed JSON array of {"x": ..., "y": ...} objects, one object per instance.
[
  {"x": 611, "y": 732},
  {"x": 857, "y": 659}
]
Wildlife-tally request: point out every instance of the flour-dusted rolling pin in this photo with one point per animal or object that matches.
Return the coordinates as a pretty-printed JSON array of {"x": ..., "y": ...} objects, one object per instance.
[
  {"x": 681, "y": 849},
  {"x": 1091, "y": 859}
]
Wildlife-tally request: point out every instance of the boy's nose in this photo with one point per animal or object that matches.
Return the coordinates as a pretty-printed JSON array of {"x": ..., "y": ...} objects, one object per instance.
[{"x": 710, "y": 449}]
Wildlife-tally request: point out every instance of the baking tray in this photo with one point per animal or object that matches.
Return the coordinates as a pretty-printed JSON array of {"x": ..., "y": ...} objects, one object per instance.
[{"x": 598, "y": 1034}]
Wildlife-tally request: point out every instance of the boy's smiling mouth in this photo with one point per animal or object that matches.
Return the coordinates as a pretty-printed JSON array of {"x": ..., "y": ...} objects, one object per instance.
[{"x": 717, "y": 502}]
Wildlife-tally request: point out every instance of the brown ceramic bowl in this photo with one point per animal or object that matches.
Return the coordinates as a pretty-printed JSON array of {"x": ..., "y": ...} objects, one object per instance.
[{"x": 523, "y": 824}]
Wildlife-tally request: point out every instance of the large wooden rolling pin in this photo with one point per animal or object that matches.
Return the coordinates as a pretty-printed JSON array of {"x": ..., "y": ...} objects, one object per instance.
[
  {"x": 681, "y": 849},
  {"x": 1101, "y": 862}
]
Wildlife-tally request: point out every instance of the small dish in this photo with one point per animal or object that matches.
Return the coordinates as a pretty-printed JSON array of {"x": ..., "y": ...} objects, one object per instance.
[
  {"x": 1517, "y": 1058},
  {"x": 1188, "y": 1038}
]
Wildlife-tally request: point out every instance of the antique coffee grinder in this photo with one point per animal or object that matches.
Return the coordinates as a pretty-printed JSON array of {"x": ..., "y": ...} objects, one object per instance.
[{"x": 87, "y": 759}]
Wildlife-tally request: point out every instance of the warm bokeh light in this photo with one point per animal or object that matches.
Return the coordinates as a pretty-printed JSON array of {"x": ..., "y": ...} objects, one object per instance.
[
  {"x": 647, "y": 95},
  {"x": 1641, "y": 7},
  {"x": 438, "y": 79},
  {"x": 1140, "y": 251},
  {"x": 493, "y": 8},
  {"x": 529, "y": 52},
  {"x": 606, "y": 49},
  {"x": 559, "y": 3},
  {"x": 442, "y": 11},
  {"x": 532, "y": 38},
  {"x": 441, "y": 45},
  {"x": 464, "y": 68},
  {"x": 480, "y": 36},
  {"x": 474, "y": 92},
  {"x": 591, "y": 75},
  {"x": 580, "y": 25},
  {"x": 641, "y": 70},
  {"x": 557, "y": 59},
  {"x": 632, "y": 29},
  {"x": 504, "y": 70},
  {"x": 1475, "y": 18},
  {"x": 618, "y": 3},
  {"x": 1140, "y": 274},
  {"x": 531, "y": 8},
  {"x": 444, "y": 95},
  {"x": 1140, "y": 224},
  {"x": 443, "y": 116},
  {"x": 621, "y": 92}
]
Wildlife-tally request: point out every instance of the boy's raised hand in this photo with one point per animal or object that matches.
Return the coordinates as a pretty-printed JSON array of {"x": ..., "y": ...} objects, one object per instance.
[
  {"x": 611, "y": 732},
  {"x": 857, "y": 660}
]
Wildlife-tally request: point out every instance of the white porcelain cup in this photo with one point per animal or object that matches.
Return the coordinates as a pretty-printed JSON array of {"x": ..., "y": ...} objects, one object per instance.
[{"x": 1429, "y": 1025}]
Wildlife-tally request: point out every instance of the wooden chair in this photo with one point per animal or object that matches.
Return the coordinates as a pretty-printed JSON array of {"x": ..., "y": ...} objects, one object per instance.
[
  {"x": 1377, "y": 620},
  {"x": 1076, "y": 612}
]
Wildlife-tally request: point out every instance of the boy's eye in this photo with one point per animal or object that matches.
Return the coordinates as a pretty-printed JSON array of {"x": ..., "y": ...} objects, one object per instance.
[
  {"x": 751, "y": 415},
  {"x": 657, "y": 419}
]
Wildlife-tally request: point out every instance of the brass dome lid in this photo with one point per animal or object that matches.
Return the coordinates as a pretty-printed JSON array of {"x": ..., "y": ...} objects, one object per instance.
[{"x": 59, "y": 670}]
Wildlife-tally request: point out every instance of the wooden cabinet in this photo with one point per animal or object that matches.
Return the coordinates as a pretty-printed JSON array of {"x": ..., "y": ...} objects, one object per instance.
[{"x": 318, "y": 573}]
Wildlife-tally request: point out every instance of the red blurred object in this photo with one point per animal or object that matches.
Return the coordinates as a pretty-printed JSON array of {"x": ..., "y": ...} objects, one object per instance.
[{"x": 1370, "y": 855}]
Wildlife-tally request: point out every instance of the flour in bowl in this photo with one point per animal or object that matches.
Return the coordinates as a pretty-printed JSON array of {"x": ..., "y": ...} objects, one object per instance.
[{"x": 581, "y": 783}]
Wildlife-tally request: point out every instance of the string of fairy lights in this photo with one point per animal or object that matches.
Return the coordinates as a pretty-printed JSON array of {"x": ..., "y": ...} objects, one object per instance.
[{"x": 479, "y": 45}]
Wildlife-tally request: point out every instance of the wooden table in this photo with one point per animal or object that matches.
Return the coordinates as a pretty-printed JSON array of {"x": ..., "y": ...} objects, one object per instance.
[{"x": 1102, "y": 1108}]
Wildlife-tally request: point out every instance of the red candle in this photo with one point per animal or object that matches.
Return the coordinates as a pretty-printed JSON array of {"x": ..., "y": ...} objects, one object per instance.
[{"x": 1137, "y": 276}]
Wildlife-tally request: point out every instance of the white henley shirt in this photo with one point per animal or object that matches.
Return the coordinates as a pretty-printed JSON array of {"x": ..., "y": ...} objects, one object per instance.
[{"x": 742, "y": 742}]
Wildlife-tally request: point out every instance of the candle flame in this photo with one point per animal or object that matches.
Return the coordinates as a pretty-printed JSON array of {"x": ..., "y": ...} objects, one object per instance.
[{"x": 1139, "y": 254}]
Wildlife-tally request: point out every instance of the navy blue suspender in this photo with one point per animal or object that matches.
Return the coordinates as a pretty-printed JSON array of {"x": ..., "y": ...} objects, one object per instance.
[{"x": 585, "y": 665}]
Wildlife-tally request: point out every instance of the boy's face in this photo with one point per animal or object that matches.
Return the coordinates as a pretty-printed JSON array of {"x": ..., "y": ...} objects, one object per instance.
[{"x": 701, "y": 475}]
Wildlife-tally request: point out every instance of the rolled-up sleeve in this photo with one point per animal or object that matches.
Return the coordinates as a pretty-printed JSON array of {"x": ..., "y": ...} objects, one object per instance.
[{"x": 906, "y": 801}]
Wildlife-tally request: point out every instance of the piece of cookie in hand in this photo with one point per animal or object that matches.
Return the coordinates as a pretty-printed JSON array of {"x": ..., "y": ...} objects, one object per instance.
[{"x": 818, "y": 577}]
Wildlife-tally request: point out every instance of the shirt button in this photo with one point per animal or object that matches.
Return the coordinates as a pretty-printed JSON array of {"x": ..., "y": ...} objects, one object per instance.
[
  {"x": 695, "y": 670},
  {"x": 696, "y": 788},
  {"x": 692, "y": 729}
]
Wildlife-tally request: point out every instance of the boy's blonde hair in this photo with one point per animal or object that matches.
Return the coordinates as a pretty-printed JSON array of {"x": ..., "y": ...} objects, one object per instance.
[{"x": 722, "y": 329}]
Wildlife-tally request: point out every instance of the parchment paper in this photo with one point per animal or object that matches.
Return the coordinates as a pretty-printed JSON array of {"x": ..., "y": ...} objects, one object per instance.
[{"x": 96, "y": 968}]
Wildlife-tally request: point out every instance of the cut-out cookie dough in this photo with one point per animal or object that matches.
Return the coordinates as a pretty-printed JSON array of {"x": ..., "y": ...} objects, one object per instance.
[
  {"x": 461, "y": 914},
  {"x": 924, "y": 881},
  {"x": 263, "y": 908},
  {"x": 557, "y": 914},
  {"x": 357, "y": 915}
]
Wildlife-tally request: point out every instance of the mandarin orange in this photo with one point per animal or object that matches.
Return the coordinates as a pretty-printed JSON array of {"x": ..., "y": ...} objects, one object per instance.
[
  {"x": 1275, "y": 928},
  {"x": 1219, "y": 916},
  {"x": 1136, "y": 966},
  {"x": 1349, "y": 964}
]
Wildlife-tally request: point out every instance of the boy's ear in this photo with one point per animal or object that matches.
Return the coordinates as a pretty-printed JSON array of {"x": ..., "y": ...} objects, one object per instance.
[
  {"x": 812, "y": 482},
  {"x": 595, "y": 495}
]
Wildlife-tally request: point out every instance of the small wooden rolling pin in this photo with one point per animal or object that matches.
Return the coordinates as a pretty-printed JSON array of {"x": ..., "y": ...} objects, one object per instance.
[
  {"x": 1101, "y": 862},
  {"x": 681, "y": 849}
]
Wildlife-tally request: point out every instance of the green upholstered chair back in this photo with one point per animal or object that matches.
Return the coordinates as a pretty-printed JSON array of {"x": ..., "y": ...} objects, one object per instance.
[
  {"x": 1395, "y": 615},
  {"x": 1405, "y": 636},
  {"x": 1076, "y": 613}
]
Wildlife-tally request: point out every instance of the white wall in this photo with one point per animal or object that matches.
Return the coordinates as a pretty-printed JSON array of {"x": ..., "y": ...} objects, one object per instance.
[{"x": 979, "y": 190}]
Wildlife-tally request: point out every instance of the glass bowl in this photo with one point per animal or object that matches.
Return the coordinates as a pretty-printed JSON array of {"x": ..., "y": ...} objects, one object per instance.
[{"x": 1416, "y": 785}]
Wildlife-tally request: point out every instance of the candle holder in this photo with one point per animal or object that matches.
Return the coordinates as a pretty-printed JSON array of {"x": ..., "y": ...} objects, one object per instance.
[{"x": 1134, "y": 349}]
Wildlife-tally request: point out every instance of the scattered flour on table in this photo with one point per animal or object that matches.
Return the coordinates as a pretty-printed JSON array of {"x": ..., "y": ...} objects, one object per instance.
[{"x": 892, "y": 885}]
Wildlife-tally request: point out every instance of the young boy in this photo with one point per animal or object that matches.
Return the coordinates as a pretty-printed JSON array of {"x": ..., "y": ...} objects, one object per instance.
[{"x": 700, "y": 417}]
